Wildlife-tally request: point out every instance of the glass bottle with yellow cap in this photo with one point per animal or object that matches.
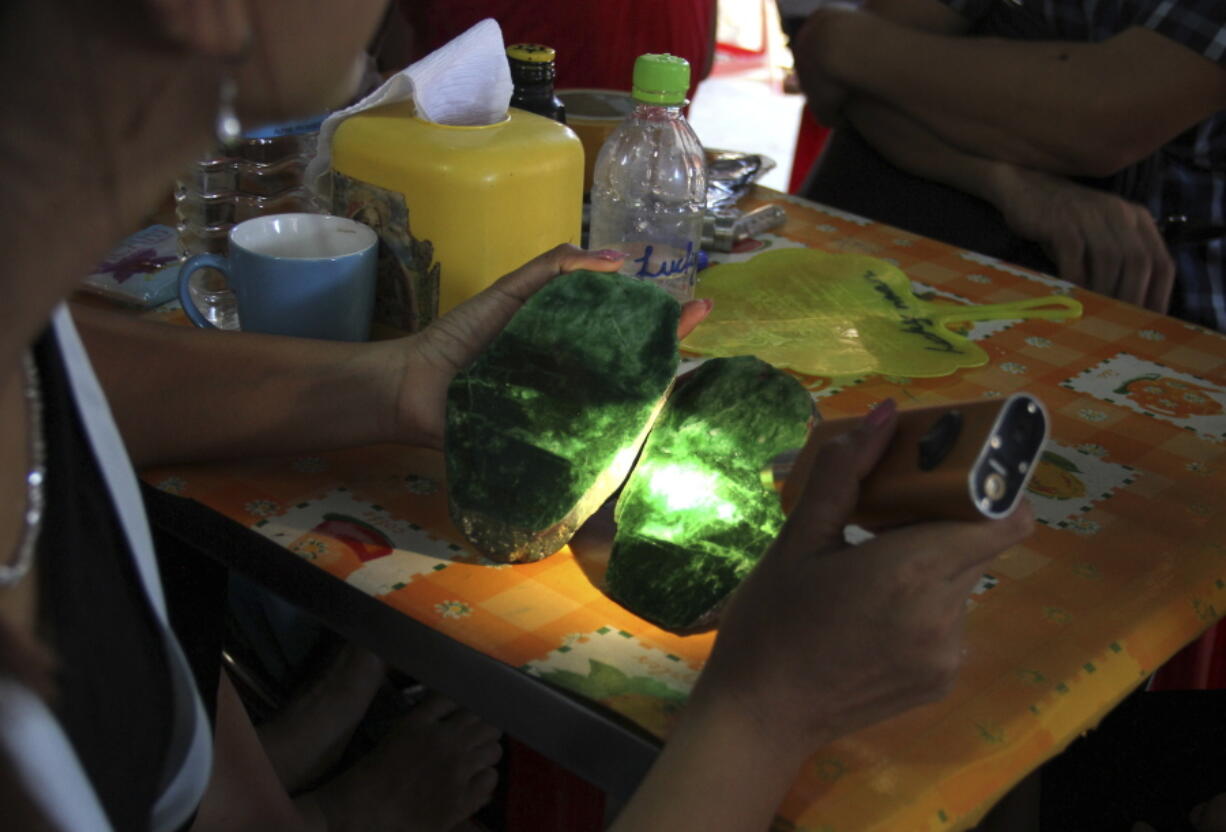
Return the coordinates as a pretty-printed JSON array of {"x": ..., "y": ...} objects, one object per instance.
[{"x": 533, "y": 72}]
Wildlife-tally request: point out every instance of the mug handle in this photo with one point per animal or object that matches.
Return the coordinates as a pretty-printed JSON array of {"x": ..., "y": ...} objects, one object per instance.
[{"x": 200, "y": 261}]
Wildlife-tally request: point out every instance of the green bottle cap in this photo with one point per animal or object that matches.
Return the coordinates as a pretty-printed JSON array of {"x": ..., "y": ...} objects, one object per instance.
[{"x": 661, "y": 79}]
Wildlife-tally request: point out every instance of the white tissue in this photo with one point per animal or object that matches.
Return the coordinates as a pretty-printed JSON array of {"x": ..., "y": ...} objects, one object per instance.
[{"x": 467, "y": 81}]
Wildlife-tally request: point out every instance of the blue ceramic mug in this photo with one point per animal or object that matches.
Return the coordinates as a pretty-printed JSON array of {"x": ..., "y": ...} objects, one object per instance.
[{"x": 309, "y": 275}]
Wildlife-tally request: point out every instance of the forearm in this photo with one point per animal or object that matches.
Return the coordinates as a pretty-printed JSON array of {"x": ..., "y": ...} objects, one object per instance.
[
  {"x": 716, "y": 772},
  {"x": 1094, "y": 238},
  {"x": 913, "y": 147},
  {"x": 181, "y": 394},
  {"x": 1057, "y": 106}
]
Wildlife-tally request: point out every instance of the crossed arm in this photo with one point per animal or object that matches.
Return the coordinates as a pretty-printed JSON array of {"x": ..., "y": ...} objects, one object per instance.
[
  {"x": 1072, "y": 108},
  {"x": 1010, "y": 121}
]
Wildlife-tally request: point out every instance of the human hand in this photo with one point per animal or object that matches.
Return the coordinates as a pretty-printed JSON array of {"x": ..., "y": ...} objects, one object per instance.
[
  {"x": 434, "y": 767},
  {"x": 433, "y": 357},
  {"x": 824, "y": 638},
  {"x": 1097, "y": 239}
]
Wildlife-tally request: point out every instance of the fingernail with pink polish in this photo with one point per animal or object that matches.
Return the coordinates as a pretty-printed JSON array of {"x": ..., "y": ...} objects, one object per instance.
[
  {"x": 880, "y": 414},
  {"x": 708, "y": 303},
  {"x": 610, "y": 254}
]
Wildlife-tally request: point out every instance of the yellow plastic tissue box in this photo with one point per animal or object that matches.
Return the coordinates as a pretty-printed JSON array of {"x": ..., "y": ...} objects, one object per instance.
[{"x": 455, "y": 207}]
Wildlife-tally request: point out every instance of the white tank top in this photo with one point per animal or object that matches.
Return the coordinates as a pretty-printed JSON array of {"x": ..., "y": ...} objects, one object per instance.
[{"x": 37, "y": 747}]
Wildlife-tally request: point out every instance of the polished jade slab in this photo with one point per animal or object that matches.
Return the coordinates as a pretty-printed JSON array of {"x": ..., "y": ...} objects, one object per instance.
[
  {"x": 552, "y": 404},
  {"x": 695, "y": 516}
]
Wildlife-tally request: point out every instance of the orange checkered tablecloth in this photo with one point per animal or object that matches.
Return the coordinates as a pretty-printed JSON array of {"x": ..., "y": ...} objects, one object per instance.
[{"x": 1128, "y": 563}]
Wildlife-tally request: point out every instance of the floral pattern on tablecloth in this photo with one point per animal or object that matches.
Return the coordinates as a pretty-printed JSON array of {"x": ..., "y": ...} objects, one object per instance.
[
  {"x": 1062, "y": 287},
  {"x": 1067, "y": 482},
  {"x": 1158, "y": 391}
]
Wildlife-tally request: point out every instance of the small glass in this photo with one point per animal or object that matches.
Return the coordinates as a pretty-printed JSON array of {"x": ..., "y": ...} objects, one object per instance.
[{"x": 260, "y": 175}]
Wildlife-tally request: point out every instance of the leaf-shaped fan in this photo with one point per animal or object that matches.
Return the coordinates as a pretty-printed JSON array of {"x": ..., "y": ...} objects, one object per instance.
[{"x": 844, "y": 315}]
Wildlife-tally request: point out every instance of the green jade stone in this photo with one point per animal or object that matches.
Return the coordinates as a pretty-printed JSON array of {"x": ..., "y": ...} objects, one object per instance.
[
  {"x": 695, "y": 515},
  {"x": 545, "y": 424}
]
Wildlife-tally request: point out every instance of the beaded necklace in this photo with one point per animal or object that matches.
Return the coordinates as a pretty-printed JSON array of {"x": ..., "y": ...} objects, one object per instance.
[{"x": 23, "y": 558}]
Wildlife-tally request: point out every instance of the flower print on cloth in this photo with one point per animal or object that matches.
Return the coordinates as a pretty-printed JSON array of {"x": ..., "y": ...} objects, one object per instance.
[
  {"x": 1092, "y": 415},
  {"x": 1160, "y": 392},
  {"x": 453, "y": 609},
  {"x": 845, "y": 216},
  {"x": 262, "y": 508},
  {"x": 614, "y": 668},
  {"x": 172, "y": 485},
  {"x": 1060, "y": 286},
  {"x": 1068, "y": 481},
  {"x": 359, "y": 541}
]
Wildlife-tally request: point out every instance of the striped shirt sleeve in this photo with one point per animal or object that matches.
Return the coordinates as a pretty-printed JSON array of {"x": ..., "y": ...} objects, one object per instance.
[{"x": 1199, "y": 25}]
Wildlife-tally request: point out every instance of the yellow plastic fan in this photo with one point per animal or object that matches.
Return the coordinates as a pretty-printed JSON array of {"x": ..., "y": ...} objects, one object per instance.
[{"x": 844, "y": 315}]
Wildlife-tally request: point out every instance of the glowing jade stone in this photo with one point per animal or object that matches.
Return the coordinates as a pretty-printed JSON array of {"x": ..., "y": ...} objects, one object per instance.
[
  {"x": 554, "y": 404},
  {"x": 694, "y": 516}
]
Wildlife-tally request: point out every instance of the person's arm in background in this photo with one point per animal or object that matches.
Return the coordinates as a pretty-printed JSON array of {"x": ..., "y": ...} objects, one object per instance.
[
  {"x": 1079, "y": 109},
  {"x": 820, "y": 640},
  {"x": 1095, "y": 238}
]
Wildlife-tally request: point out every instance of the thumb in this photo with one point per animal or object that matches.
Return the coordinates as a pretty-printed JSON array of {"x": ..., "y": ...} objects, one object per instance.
[
  {"x": 693, "y": 313},
  {"x": 467, "y": 328},
  {"x": 520, "y": 284},
  {"x": 833, "y": 484}
]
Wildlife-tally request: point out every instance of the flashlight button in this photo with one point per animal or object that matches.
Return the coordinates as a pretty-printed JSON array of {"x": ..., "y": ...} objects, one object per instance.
[{"x": 939, "y": 440}]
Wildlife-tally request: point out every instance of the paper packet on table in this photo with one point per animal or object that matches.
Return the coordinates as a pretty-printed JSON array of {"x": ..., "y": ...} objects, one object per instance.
[
  {"x": 143, "y": 270},
  {"x": 730, "y": 176}
]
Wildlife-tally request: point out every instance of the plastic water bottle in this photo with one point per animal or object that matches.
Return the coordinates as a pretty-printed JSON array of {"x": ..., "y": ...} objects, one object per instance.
[{"x": 649, "y": 187}]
